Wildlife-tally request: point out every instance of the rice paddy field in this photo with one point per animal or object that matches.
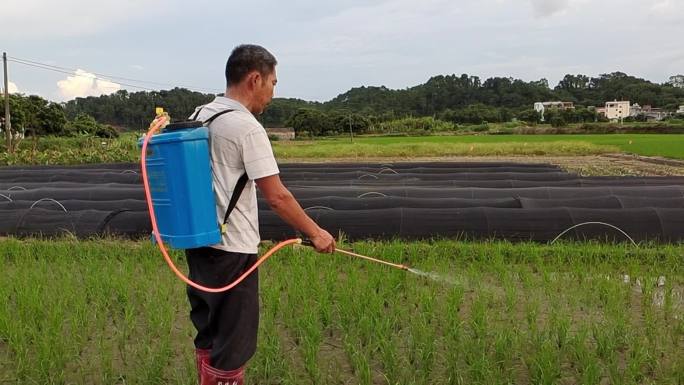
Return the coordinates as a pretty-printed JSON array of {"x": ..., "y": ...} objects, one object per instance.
[
  {"x": 666, "y": 145},
  {"x": 108, "y": 311},
  {"x": 77, "y": 150}
]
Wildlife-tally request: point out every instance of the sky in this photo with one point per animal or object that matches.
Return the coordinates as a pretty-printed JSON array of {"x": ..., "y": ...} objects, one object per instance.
[{"x": 325, "y": 48}]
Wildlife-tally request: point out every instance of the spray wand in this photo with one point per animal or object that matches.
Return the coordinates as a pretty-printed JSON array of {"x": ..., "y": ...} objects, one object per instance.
[{"x": 307, "y": 242}]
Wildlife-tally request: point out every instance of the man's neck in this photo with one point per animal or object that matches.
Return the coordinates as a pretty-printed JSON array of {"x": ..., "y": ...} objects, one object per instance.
[{"x": 240, "y": 97}]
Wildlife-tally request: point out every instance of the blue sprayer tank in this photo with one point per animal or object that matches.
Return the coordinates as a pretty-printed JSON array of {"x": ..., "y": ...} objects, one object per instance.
[{"x": 179, "y": 176}]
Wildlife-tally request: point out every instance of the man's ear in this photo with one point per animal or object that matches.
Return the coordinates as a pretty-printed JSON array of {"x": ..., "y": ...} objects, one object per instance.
[{"x": 254, "y": 78}]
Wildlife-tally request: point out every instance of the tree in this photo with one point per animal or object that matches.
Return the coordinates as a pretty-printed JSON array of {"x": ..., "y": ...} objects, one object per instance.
[
  {"x": 359, "y": 124},
  {"x": 474, "y": 114},
  {"x": 309, "y": 122},
  {"x": 85, "y": 124},
  {"x": 556, "y": 119},
  {"x": 455, "y": 98},
  {"x": 573, "y": 82},
  {"x": 51, "y": 120},
  {"x": 530, "y": 116}
]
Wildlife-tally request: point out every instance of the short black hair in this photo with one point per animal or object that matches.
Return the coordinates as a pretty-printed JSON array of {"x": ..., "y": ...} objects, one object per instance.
[{"x": 246, "y": 58}]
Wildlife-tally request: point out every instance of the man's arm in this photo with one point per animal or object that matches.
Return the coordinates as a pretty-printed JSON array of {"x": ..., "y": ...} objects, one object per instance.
[{"x": 281, "y": 200}]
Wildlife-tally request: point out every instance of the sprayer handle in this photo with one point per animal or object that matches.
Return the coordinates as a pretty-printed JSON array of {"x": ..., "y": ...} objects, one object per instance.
[{"x": 307, "y": 242}]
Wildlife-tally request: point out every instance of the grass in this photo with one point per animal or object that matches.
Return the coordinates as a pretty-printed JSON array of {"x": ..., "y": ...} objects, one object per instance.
[
  {"x": 108, "y": 311},
  {"x": 124, "y": 149},
  {"x": 666, "y": 145},
  {"x": 436, "y": 147},
  {"x": 73, "y": 150}
]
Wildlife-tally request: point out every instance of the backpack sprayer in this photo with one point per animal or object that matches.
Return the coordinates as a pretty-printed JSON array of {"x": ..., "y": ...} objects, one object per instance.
[{"x": 176, "y": 173}]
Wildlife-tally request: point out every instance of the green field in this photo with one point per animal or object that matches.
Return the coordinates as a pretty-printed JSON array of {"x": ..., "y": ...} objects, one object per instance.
[
  {"x": 124, "y": 149},
  {"x": 412, "y": 147},
  {"x": 111, "y": 312},
  {"x": 666, "y": 145}
]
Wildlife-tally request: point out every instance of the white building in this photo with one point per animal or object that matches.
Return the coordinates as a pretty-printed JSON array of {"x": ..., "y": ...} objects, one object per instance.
[
  {"x": 542, "y": 106},
  {"x": 282, "y": 133},
  {"x": 617, "y": 110},
  {"x": 680, "y": 110},
  {"x": 650, "y": 113}
]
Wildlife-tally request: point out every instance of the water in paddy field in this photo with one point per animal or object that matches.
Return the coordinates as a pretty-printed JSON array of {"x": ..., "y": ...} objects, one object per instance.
[{"x": 433, "y": 276}]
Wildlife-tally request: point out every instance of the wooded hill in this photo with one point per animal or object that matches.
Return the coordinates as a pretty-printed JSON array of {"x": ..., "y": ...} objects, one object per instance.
[{"x": 456, "y": 99}]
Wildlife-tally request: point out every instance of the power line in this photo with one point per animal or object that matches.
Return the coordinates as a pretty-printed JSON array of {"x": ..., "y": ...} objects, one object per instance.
[
  {"x": 81, "y": 75},
  {"x": 72, "y": 70},
  {"x": 104, "y": 77}
]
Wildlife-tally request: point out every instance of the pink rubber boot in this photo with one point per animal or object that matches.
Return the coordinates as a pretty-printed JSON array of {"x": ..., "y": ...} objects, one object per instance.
[
  {"x": 213, "y": 376},
  {"x": 201, "y": 356}
]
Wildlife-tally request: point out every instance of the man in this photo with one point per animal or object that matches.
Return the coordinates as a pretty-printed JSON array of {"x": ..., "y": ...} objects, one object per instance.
[{"x": 227, "y": 322}]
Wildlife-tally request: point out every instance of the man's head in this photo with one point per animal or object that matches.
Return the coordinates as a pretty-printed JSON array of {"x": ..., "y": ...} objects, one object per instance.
[{"x": 251, "y": 76}]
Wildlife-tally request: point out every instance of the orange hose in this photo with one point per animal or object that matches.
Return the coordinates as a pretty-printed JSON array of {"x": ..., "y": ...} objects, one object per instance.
[{"x": 155, "y": 230}]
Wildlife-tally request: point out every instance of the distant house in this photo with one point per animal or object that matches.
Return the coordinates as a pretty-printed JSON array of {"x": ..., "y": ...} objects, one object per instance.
[
  {"x": 680, "y": 110},
  {"x": 617, "y": 110},
  {"x": 649, "y": 112},
  {"x": 540, "y": 107},
  {"x": 282, "y": 133},
  {"x": 601, "y": 111}
]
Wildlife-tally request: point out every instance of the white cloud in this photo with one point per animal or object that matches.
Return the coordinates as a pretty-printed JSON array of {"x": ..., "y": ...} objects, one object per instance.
[
  {"x": 325, "y": 48},
  {"x": 373, "y": 29},
  {"x": 549, "y": 7},
  {"x": 83, "y": 84},
  {"x": 30, "y": 19},
  {"x": 11, "y": 88},
  {"x": 137, "y": 67},
  {"x": 669, "y": 11},
  {"x": 662, "y": 5}
]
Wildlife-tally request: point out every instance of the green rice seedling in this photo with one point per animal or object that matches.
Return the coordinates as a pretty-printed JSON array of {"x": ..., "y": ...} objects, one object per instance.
[
  {"x": 587, "y": 364},
  {"x": 389, "y": 355},
  {"x": 531, "y": 315},
  {"x": 636, "y": 361},
  {"x": 559, "y": 325},
  {"x": 453, "y": 335},
  {"x": 422, "y": 347},
  {"x": 271, "y": 362},
  {"x": 479, "y": 324},
  {"x": 605, "y": 342},
  {"x": 544, "y": 362},
  {"x": 480, "y": 368},
  {"x": 309, "y": 336},
  {"x": 360, "y": 362},
  {"x": 515, "y": 313},
  {"x": 511, "y": 293},
  {"x": 504, "y": 348}
]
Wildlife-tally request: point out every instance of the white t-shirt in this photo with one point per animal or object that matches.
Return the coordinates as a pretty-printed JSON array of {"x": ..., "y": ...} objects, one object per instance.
[{"x": 238, "y": 143}]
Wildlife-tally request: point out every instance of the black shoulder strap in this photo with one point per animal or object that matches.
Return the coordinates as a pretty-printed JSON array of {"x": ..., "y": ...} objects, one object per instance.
[
  {"x": 237, "y": 191},
  {"x": 216, "y": 115},
  {"x": 196, "y": 114}
]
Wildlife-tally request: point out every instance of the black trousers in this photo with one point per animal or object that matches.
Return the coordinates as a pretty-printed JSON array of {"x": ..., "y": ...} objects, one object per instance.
[{"x": 227, "y": 322}]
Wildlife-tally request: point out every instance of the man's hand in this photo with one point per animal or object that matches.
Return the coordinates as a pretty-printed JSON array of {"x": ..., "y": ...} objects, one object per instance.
[{"x": 323, "y": 242}]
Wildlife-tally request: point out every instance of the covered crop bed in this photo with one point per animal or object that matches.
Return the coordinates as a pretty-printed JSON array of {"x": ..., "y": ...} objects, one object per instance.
[{"x": 513, "y": 201}]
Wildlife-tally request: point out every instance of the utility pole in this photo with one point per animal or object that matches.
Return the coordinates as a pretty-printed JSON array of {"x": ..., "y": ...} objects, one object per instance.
[
  {"x": 8, "y": 123},
  {"x": 351, "y": 135}
]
